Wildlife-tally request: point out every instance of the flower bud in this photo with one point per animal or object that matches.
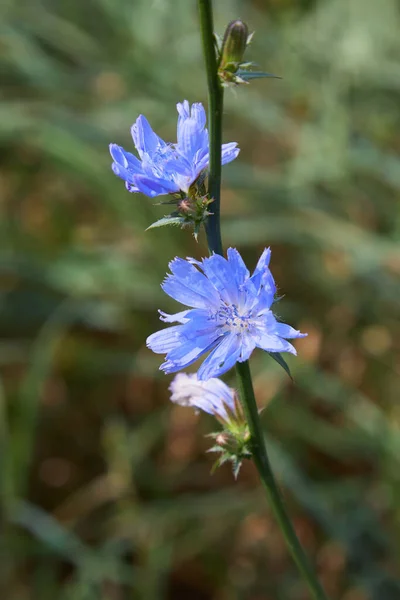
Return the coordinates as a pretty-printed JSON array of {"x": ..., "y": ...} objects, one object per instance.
[{"x": 233, "y": 46}]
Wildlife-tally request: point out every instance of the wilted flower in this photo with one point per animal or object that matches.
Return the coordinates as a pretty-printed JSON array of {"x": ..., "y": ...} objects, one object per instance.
[
  {"x": 168, "y": 168},
  {"x": 212, "y": 396},
  {"x": 216, "y": 398},
  {"x": 230, "y": 315}
]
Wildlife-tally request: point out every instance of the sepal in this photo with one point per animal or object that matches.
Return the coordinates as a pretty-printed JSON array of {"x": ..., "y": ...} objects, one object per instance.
[
  {"x": 246, "y": 76},
  {"x": 233, "y": 446},
  {"x": 168, "y": 220},
  {"x": 190, "y": 211}
]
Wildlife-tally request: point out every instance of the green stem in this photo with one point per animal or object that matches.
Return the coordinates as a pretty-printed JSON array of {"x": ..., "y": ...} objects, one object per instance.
[
  {"x": 261, "y": 460},
  {"x": 215, "y": 106},
  {"x": 213, "y": 231}
]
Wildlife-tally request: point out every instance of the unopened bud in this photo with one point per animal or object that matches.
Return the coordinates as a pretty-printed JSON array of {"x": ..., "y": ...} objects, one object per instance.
[
  {"x": 233, "y": 45},
  {"x": 222, "y": 439}
]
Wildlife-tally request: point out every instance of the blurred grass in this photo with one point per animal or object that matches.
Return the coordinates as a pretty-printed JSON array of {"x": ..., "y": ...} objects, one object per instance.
[{"x": 105, "y": 487}]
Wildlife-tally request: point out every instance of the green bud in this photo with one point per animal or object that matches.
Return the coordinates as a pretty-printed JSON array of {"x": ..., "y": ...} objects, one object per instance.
[{"x": 233, "y": 46}]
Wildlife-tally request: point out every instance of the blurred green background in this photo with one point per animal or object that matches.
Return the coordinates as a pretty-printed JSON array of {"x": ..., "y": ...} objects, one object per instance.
[{"x": 106, "y": 490}]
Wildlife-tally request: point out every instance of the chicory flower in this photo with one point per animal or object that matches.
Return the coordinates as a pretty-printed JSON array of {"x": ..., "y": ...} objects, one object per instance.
[
  {"x": 166, "y": 168},
  {"x": 229, "y": 316}
]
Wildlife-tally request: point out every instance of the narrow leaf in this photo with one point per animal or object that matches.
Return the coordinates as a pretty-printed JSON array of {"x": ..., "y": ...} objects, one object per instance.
[
  {"x": 177, "y": 221},
  {"x": 281, "y": 361},
  {"x": 248, "y": 75}
]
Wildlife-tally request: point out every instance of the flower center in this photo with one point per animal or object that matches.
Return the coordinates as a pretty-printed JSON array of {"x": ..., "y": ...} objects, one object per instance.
[{"x": 231, "y": 320}]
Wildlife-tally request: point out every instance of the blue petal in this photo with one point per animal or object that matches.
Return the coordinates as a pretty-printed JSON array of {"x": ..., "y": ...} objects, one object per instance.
[
  {"x": 220, "y": 360},
  {"x": 183, "y": 109},
  {"x": 187, "y": 353},
  {"x": 263, "y": 261},
  {"x": 288, "y": 332},
  {"x": 221, "y": 275},
  {"x": 123, "y": 173},
  {"x": 272, "y": 343},
  {"x": 202, "y": 163},
  {"x": 190, "y": 138},
  {"x": 188, "y": 286},
  {"x": 262, "y": 276},
  {"x": 165, "y": 340},
  {"x": 198, "y": 323},
  {"x": 154, "y": 187},
  {"x": 117, "y": 154},
  {"x": 241, "y": 273},
  {"x": 145, "y": 140},
  {"x": 194, "y": 279},
  {"x": 180, "y": 317},
  {"x": 167, "y": 187},
  {"x": 179, "y": 165},
  {"x": 229, "y": 152},
  {"x": 247, "y": 346},
  {"x": 262, "y": 302},
  {"x": 131, "y": 187},
  {"x": 125, "y": 159},
  {"x": 199, "y": 115}
]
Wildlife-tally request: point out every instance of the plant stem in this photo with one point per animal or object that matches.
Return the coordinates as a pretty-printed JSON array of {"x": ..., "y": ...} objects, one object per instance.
[
  {"x": 245, "y": 385},
  {"x": 261, "y": 460},
  {"x": 215, "y": 107}
]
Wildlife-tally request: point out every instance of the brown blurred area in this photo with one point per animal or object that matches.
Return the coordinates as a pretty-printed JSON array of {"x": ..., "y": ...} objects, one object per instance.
[{"x": 105, "y": 487}]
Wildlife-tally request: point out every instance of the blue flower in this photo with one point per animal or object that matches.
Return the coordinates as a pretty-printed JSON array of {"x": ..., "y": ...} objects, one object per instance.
[
  {"x": 230, "y": 314},
  {"x": 168, "y": 168},
  {"x": 213, "y": 396}
]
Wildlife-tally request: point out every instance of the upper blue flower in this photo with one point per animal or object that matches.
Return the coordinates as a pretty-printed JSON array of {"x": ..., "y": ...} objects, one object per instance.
[
  {"x": 168, "y": 168},
  {"x": 212, "y": 396},
  {"x": 230, "y": 315}
]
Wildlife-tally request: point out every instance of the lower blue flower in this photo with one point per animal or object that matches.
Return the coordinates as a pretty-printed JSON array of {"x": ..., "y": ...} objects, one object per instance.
[{"x": 230, "y": 314}]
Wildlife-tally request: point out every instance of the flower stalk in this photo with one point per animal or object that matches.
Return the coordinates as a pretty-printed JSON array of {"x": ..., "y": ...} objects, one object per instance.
[
  {"x": 245, "y": 385},
  {"x": 215, "y": 107}
]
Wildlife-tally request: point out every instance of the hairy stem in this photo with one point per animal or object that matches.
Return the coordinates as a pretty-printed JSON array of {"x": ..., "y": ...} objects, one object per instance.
[{"x": 215, "y": 107}]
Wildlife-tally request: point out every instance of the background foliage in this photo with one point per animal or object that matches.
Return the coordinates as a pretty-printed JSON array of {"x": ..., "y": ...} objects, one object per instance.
[{"x": 106, "y": 490}]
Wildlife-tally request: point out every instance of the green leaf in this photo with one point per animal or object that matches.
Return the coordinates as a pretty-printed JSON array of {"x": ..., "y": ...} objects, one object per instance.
[
  {"x": 248, "y": 75},
  {"x": 177, "y": 221},
  {"x": 281, "y": 361}
]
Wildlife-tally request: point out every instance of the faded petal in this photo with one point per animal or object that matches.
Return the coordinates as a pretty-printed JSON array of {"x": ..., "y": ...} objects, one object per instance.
[{"x": 211, "y": 396}]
